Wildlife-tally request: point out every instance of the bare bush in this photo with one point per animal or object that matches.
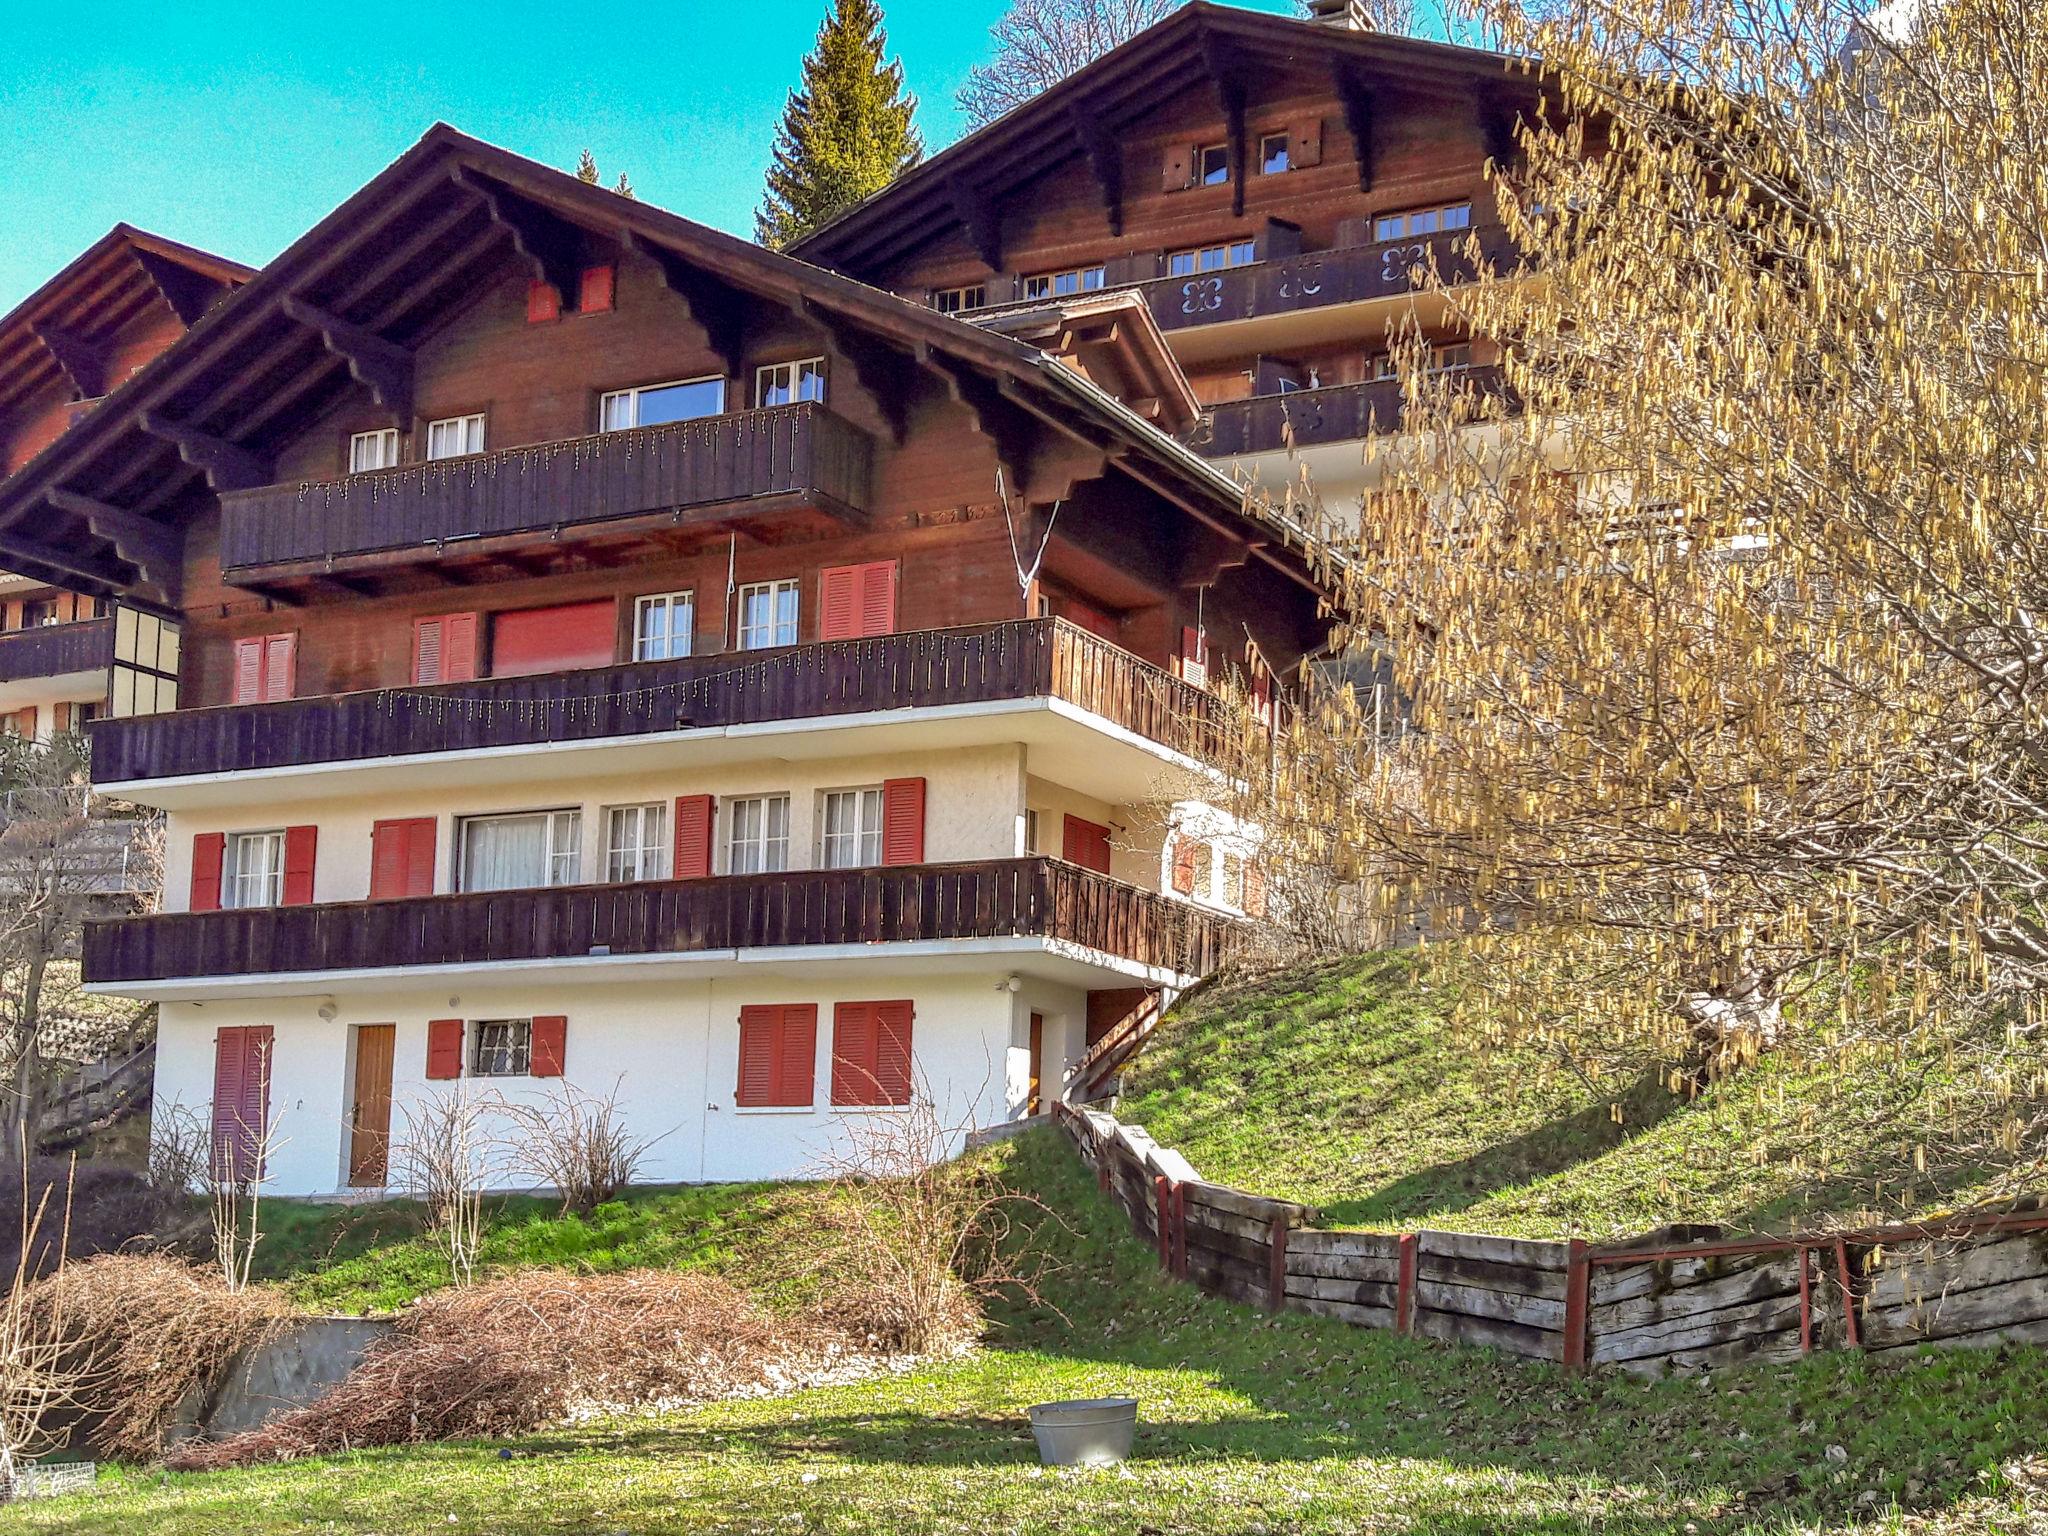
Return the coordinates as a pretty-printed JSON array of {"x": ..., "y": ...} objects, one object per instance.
[
  {"x": 180, "y": 1143},
  {"x": 445, "y": 1159},
  {"x": 140, "y": 1331},
  {"x": 40, "y": 1375},
  {"x": 234, "y": 1170},
  {"x": 909, "y": 1242},
  {"x": 526, "y": 1350},
  {"x": 576, "y": 1144}
]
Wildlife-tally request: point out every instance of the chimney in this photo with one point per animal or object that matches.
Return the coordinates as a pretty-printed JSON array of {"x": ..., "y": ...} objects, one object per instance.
[{"x": 1347, "y": 14}]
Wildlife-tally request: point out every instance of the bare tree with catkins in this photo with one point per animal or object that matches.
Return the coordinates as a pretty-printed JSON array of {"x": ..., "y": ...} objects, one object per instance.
[
  {"x": 1038, "y": 43},
  {"x": 1720, "y": 662}
]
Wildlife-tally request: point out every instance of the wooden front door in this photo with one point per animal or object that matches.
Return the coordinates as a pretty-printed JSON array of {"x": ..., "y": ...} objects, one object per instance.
[
  {"x": 369, "y": 1117},
  {"x": 1037, "y": 1059}
]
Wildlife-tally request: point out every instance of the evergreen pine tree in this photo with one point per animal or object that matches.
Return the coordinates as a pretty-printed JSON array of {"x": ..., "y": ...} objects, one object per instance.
[
  {"x": 846, "y": 132},
  {"x": 586, "y": 169}
]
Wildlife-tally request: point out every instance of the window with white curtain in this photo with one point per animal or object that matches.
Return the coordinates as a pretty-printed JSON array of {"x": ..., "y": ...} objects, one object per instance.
[
  {"x": 636, "y": 842},
  {"x": 373, "y": 450},
  {"x": 455, "y": 436},
  {"x": 758, "y": 837},
  {"x": 517, "y": 852},
  {"x": 767, "y": 614},
  {"x": 254, "y": 870},
  {"x": 663, "y": 625},
  {"x": 852, "y": 829},
  {"x": 787, "y": 383}
]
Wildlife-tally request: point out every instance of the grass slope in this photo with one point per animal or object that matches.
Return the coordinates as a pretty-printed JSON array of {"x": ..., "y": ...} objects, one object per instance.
[
  {"x": 1343, "y": 1088},
  {"x": 1249, "y": 1424}
]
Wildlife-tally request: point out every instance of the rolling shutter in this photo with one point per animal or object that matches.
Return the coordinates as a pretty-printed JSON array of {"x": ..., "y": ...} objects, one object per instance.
[
  {"x": 402, "y": 858},
  {"x": 778, "y": 1056},
  {"x": 871, "y": 1054},
  {"x": 694, "y": 817},
  {"x": 241, "y": 1099},
  {"x": 550, "y": 1045},
  {"x": 529, "y": 640},
  {"x": 444, "y": 1049},
  {"x": 1085, "y": 843},
  {"x": 300, "y": 848},
  {"x": 903, "y": 821},
  {"x": 444, "y": 648},
  {"x": 209, "y": 852}
]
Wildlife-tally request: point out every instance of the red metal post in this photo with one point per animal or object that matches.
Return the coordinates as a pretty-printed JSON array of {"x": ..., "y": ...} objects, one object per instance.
[
  {"x": 1404, "y": 1283},
  {"x": 1276, "y": 1276},
  {"x": 1578, "y": 1274},
  {"x": 1805, "y": 1301},
  {"x": 1180, "y": 1230},
  {"x": 1162, "y": 1209},
  {"x": 1848, "y": 1293}
]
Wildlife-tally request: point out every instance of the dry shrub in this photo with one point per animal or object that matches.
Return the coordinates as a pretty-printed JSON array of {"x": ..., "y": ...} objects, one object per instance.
[
  {"x": 445, "y": 1157},
  {"x": 576, "y": 1144},
  {"x": 146, "y": 1329},
  {"x": 514, "y": 1354}
]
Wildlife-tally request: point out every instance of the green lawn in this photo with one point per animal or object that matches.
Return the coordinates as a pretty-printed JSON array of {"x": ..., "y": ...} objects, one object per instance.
[
  {"x": 1342, "y": 1087},
  {"x": 1251, "y": 1424}
]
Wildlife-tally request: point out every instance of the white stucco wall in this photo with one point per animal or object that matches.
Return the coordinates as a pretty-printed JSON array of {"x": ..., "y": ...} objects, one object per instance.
[{"x": 669, "y": 1049}]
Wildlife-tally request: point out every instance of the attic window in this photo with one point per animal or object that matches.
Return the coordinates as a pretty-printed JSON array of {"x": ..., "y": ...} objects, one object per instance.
[
  {"x": 950, "y": 301},
  {"x": 1273, "y": 154},
  {"x": 1054, "y": 285},
  {"x": 1212, "y": 165}
]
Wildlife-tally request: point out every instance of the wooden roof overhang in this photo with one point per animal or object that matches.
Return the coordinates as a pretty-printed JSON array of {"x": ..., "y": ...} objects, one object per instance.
[
  {"x": 1202, "y": 44},
  {"x": 60, "y": 335},
  {"x": 1112, "y": 338},
  {"x": 104, "y": 509}
]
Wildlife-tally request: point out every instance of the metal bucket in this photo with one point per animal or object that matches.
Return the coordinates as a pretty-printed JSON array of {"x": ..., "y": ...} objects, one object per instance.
[{"x": 1087, "y": 1432}]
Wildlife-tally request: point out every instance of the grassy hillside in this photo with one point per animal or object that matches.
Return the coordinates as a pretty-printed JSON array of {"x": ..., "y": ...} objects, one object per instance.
[
  {"x": 1342, "y": 1087},
  {"x": 1249, "y": 1423}
]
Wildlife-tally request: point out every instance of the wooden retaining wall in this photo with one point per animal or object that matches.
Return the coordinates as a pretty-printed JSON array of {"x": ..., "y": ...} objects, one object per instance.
[{"x": 1682, "y": 1299}]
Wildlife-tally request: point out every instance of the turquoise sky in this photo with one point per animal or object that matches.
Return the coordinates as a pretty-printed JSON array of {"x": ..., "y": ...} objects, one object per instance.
[{"x": 236, "y": 126}]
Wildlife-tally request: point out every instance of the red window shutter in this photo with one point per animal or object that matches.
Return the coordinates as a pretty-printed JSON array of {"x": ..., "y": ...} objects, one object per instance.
[
  {"x": 249, "y": 671},
  {"x": 594, "y": 289},
  {"x": 542, "y": 302},
  {"x": 778, "y": 1055},
  {"x": 550, "y": 1045},
  {"x": 444, "y": 648},
  {"x": 760, "y": 1043},
  {"x": 1254, "y": 890},
  {"x": 300, "y": 845},
  {"x": 444, "y": 1049},
  {"x": 427, "y": 641},
  {"x": 694, "y": 815},
  {"x": 839, "y": 603},
  {"x": 281, "y": 666},
  {"x": 209, "y": 853},
  {"x": 1085, "y": 843},
  {"x": 892, "y": 1051},
  {"x": 903, "y": 821},
  {"x": 241, "y": 1098},
  {"x": 1187, "y": 855},
  {"x": 402, "y": 858},
  {"x": 853, "y": 1054},
  {"x": 797, "y": 1065},
  {"x": 878, "y": 598}
]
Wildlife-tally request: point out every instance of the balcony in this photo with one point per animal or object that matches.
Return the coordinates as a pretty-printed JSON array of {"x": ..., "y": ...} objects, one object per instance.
[
  {"x": 1319, "y": 279},
  {"x": 977, "y": 905},
  {"x": 737, "y": 468},
  {"x": 962, "y": 678},
  {"x": 1306, "y": 418},
  {"x": 56, "y": 650}
]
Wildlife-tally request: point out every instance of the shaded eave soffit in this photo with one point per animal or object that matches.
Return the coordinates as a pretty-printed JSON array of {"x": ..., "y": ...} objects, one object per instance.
[
  {"x": 1081, "y": 117},
  {"x": 99, "y": 510},
  {"x": 57, "y": 335}
]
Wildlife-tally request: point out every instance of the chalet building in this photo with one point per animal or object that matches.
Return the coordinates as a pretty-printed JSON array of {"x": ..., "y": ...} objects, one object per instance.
[
  {"x": 577, "y": 648},
  {"x": 1268, "y": 190},
  {"x": 66, "y": 346}
]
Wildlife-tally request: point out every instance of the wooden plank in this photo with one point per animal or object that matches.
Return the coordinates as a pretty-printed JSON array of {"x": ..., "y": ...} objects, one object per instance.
[
  {"x": 1611, "y": 1283},
  {"x": 1355, "y": 1292},
  {"x": 1472, "y": 1301},
  {"x": 1985, "y": 1309},
  {"x": 1378, "y": 1245},
  {"x": 1224, "y": 1221},
  {"x": 1757, "y": 1282},
  {"x": 1516, "y": 1279},
  {"x": 2033, "y": 1332},
  {"x": 1338, "y": 1266},
  {"x": 1237, "y": 1203},
  {"x": 1523, "y": 1252},
  {"x": 1778, "y": 1348},
  {"x": 1342, "y": 1311},
  {"x": 1697, "y": 1331},
  {"x": 1514, "y": 1338},
  {"x": 1928, "y": 1270}
]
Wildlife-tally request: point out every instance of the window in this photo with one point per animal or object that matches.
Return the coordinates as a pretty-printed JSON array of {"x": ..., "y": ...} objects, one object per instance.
[
  {"x": 1422, "y": 221},
  {"x": 1212, "y": 165},
  {"x": 373, "y": 450},
  {"x": 759, "y": 835},
  {"x": 650, "y": 405},
  {"x": 636, "y": 842},
  {"x": 1211, "y": 258},
  {"x": 1438, "y": 359},
  {"x": 1273, "y": 155},
  {"x": 35, "y": 615},
  {"x": 1054, "y": 285},
  {"x": 254, "y": 870},
  {"x": 1031, "y": 831},
  {"x": 767, "y": 614},
  {"x": 455, "y": 436},
  {"x": 501, "y": 1047},
  {"x": 517, "y": 852},
  {"x": 852, "y": 823},
  {"x": 787, "y": 383},
  {"x": 950, "y": 301},
  {"x": 663, "y": 625}
]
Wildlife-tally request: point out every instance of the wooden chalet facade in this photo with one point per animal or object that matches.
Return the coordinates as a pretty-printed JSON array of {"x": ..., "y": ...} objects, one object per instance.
[
  {"x": 1271, "y": 191},
  {"x": 575, "y": 646}
]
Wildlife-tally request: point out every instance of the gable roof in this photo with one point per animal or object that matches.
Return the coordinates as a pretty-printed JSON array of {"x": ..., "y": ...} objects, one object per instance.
[
  {"x": 57, "y": 333},
  {"x": 1080, "y": 117},
  {"x": 101, "y": 509}
]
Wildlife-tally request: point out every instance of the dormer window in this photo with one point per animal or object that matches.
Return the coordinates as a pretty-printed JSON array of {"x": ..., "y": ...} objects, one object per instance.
[
  {"x": 373, "y": 450},
  {"x": 1212, "y": 165}
]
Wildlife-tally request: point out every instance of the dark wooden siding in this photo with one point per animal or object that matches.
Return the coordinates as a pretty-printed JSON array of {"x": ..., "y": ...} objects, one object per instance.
[
  {"x": 51, "y": 650},
  {"x": 1338, "y": 414}
]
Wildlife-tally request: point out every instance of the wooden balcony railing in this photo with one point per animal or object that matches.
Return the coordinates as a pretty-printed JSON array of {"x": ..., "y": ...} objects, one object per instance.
[
  {"x": 1027, "y": 658},
  {"x": 1346, "y": 275},
  {"x": 1031, "y": 898},
  {"x": 1305, "y": 417},
  {"x": 786, "y": 450},
  {"x": 52, "y": 650}
]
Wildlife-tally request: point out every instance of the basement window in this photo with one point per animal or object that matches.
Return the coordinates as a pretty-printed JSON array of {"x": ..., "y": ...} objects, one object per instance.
[
  {"x": 373, "y": 450},
  {"x": 501, "y": 1048}
]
